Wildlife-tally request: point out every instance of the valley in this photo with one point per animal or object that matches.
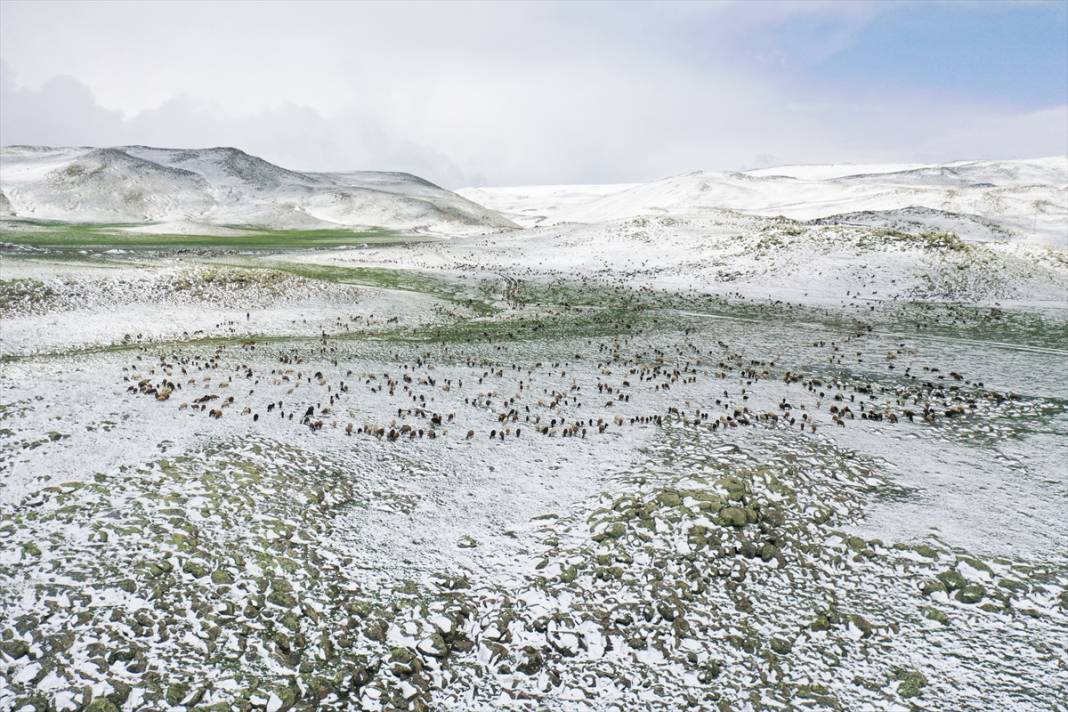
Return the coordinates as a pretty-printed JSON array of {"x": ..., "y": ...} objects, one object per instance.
[{"x": 275, "y": 440}]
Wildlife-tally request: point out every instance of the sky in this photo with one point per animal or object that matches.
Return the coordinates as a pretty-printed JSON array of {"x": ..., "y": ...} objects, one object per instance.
[{"x": 513, "y": 93}]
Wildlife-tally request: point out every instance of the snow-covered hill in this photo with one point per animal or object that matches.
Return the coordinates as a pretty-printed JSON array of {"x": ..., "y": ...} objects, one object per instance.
[
  {"x": 221, "y": 186},
  {"x": 1021, "y": 201}
]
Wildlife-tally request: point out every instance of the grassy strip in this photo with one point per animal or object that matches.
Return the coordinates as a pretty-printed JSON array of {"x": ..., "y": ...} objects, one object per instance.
[
  {"x": 388, "y": 278},
  {"x": 570, "y": 324},
  {"x": 82, "y": 236},
  {"x": 1031, "y": 327}
]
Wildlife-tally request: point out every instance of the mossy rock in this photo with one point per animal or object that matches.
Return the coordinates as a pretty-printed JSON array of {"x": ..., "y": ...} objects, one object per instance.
[
  {"x": 404, "y": 662},
  {"x": 531, "y": 661},
  {"x": 14, "y": 649},
  {"x": 976, "y": 564},
  {"x": 287, "y": 695},
  {"x": 862, "y": 624},
  {"x": 818, "y": 694},
  {"x": 822, "y": 622},
  {"x": 195, "y": 568},
  {"x": 911, "y": 682},
  {"x": 120, "y": 692},
  {"x": 434, "y": 646},
  {"x": 732, "y": 517},
  {"x": 932, "y": 586},
  {"x": 952, "y": 579},
  {"x": 176, "y": 693},
  {"x": 971, "y": 593},
  {"x": 855, "y": 543},
  {"x": 709, "y": 672},
  {"x": 669, "y": 498},
  {"x": 282, "y": 599},
  {"x": 735, "y": 487},
  {"x": 292, "y": 621},
  {"x": 933, "y": 614},
  {"x": 221, "y": 577},
  {"x": 101, "y": 704}
]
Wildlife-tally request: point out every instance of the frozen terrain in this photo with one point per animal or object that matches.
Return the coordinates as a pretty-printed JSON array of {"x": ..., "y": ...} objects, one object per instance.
[
  {"x": 1020, "y": 200},
  {"x": 786, "y": 439},
  {"x": 172, "y": 189}
]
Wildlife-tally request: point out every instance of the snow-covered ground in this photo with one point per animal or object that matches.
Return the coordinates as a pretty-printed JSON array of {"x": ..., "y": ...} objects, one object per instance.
[
  {"x": 659, "y": 449},
  {"x": 221, "y": 186},
  {"x": 1028, "y": 199}
]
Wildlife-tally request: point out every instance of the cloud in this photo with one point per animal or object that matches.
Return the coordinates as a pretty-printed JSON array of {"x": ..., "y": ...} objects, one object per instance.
[
  {"x": 63, "y": 112},
  {"x": 60, "y": 111},
  {"x": 485, "y": 93}
]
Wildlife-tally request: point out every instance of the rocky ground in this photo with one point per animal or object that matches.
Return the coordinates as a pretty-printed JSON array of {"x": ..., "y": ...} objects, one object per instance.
[{"x": 425, "y": 477}]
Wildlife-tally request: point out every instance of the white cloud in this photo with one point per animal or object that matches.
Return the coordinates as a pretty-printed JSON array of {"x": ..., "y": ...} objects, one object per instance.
[{"x": 475, "y": 93}]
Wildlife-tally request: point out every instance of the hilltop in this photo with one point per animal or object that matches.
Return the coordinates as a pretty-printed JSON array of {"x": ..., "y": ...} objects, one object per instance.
[
  {"x": 1015, "y": 201},
  {"x": 169, "y": 189}
]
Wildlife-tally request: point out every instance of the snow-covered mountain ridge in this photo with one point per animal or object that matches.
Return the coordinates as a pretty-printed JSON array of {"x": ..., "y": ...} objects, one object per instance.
[
  {"x": 221, "y": 186},
  {"x": 1019, "y": 200}
]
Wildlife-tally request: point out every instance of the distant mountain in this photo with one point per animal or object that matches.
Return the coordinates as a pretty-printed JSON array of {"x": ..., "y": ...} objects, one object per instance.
[
  {"x": 222, "y": 186},
  {"x": 1013, "y": 201}
]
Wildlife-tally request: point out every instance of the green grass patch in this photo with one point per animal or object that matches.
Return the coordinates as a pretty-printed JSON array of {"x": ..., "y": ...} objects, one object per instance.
[
  {"x": 478, "y": 297},
  {"x": 73, "y": 237}
]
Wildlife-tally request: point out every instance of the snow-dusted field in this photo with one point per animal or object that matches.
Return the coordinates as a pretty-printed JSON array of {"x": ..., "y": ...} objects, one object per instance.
[{"x": 786, "y": 439}]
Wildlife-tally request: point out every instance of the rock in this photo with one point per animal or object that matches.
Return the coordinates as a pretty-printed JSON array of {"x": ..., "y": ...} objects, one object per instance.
[
  {"x": 952, "y": 579},
  {"x": 932, "y": 613},
  {"x": 911, "y": 683},
  {"x": 931, "y": 586},
  {"x": 862, "y": 624},
  {"x": 404, "y": 662},
  {"x": 822, "y": 622},
  {"x": 120, "y": 692},
  {"x": 282, "y": 698},
  {"x": 734, "y": 486},
  {"x": 101, "y": 704},
  {"x": 376, "y": 629},
  {"x": 669, "y": 499},
  {"x": 195, "y": 568},
  {"x": 176, "y": 693},
  {"x": 434, "y": 646},
  {"x": 221, "y": 577},
  {"x": 971, "y": 593},
  {"x": 781, "y": 646},
  {"x": 531, "y": 661},
  {"x": 282, "y": 599},
  {"x": 732, "y": 517},
  {"x": 14, "y": 649},
  {"x": 708, "y": 673}
]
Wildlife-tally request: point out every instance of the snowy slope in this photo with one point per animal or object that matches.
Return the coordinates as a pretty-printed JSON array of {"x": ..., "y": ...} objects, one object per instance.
[
  {"x": 221, "y": 186},
  {"x": 531, "y": 205},
  {"x": 1024, "y": 201}
]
